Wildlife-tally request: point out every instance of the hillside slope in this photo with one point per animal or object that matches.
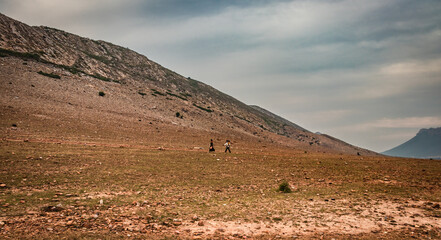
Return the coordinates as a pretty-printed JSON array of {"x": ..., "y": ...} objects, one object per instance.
[
  {"x": 426, "y": 144},
  {"x": 51, "y": 76}
]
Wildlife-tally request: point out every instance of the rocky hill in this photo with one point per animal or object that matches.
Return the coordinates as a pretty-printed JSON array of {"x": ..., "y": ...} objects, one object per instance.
[
  {"x": 60, "y": 85},
  {"x": 426, "y": 144}
]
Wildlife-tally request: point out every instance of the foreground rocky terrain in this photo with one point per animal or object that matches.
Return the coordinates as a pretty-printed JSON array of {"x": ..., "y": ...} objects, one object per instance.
[{"x": 91, "y": 190}]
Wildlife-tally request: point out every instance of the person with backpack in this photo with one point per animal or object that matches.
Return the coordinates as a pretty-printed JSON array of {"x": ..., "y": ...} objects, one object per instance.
[{"x": 227, "y": 146}]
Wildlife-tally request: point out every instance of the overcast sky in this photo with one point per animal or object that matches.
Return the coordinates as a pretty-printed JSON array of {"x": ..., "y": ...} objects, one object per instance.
[{"x": 367, "y": 72}]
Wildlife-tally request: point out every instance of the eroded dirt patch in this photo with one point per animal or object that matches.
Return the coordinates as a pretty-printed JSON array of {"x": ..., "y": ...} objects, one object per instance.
[
  {"x": 142, "y": 219},
  {"x": 339, "y": 218}
]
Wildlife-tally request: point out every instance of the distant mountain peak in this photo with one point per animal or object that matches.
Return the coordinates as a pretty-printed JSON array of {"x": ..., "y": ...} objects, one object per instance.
[
  {"x": 426, "y": 144},
  {"x": 430, "y": 131}
]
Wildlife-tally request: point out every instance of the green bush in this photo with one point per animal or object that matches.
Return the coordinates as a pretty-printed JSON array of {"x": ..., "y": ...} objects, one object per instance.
[
  {"x": 101, "y": 94},
  {"x": 284, "y": 187}
]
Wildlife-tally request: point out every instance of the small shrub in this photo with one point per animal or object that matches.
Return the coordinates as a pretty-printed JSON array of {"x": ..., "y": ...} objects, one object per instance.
[
  {"x": 156, "y": 92},
  {"x": 284, "y": 187},
  {"x": 142, "y": 94},
  {"x": 202, "y": 108},
  {"x": 49, "y": 75},
  {"x": 178, "y": 115},
  {"x": 101, "y": 94},
  {"x": 186, "y": 94},
  {"x": 71, "y": 69},
  {"x": 102, "y": 78},
  {"x": 174, "y": 95}
]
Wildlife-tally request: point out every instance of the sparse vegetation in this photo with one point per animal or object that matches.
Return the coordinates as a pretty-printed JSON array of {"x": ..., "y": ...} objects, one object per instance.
[
  {"x": 193, "y": 83},
  {"x": 53, "y": 29},
  {"x": 71, "y": 69},
  {"x": 202, "y": 108},
  {"x": 179, "y": 115},
  {"x": 36, "y": 57},
  {"x": 170, "y": 74},
  {"x": 22, "y": 55},
  {"x": 242, "y": 118},
  {"x": 102, "y": 78},
  {"x": 142, "y": 93},
  {"x": 156, "y": 185},
  {"x": 284, "y": 187},
  {"x": 186, "y": 95},
  {"x": 98, "y": 58},
  {"x": 156, "y": 92},
  {"x": 272, "y": 124},
  {"x": 174, "y": 95},
  {"x": 101, "y": 94},
  {"x": 51, "y": 75}
]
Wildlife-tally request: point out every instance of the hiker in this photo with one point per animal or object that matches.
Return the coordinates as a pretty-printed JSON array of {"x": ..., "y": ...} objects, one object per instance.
[
  {"x": 227, "y": 146},
  {"x": 211, "y": 149}
]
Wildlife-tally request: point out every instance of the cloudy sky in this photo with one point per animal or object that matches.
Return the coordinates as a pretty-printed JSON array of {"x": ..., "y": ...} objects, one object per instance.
[{"x": 367, "y": 72}]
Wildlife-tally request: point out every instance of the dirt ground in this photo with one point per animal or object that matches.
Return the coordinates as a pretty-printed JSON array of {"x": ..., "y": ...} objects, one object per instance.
[{"x": 54, "y": 189}]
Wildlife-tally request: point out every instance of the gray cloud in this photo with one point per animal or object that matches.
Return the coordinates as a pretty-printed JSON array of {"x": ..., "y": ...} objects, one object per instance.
[{"x": 339, "y": 67}]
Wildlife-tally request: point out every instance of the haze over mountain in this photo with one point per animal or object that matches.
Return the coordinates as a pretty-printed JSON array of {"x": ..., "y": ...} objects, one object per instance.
[
  {"x": 51, "y": 75},
  {"x": 426, "y": 144}
]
